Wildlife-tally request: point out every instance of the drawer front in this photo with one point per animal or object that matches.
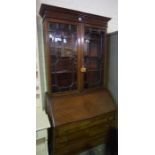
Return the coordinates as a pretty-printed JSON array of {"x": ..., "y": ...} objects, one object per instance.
[
  {"x": 71, "y": 128},
  {"x": 78, "y": 146},
  {"x": 83, "y": 135}
]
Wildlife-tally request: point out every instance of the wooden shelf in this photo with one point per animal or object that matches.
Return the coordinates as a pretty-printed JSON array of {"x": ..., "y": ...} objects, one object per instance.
[
  {"x": 94, "y": 70},
  {"x": 63, "y": 72},
  {"x": 60, "y": 47},
  {"x": 64, "y": 57},
  {"x": 68, "y": 72},
  {"x": 92, "y": 57},
  {"x": 96, "y": 39}
]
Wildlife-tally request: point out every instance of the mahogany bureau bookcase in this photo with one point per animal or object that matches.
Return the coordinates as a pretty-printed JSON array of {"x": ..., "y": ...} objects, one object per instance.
[{"x": 78, "y": 104}]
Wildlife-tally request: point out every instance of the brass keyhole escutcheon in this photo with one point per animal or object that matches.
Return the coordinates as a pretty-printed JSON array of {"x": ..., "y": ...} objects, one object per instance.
[{"x": 83, "y": 69}]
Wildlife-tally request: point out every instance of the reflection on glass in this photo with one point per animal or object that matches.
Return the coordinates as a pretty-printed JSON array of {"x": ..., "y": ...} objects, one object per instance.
[
  {"x": 63, "y": 51},
  {"x": 93, "y": 57}
]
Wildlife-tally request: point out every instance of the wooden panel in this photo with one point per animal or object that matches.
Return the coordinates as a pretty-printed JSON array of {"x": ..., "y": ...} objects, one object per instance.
[
  {"x": 84, "y": 129},
  {"x": 87, "y": 133},
  {"x": 83, "y": 126},
  {"x": 89, "y": 123},
  {"x": 75, "y": 18},
  {"x": 77, "y": 136},
  {"x": 47, "y": 11},
  {"x": 80, "y": 144},
  {"x": 71, "y": 108}
]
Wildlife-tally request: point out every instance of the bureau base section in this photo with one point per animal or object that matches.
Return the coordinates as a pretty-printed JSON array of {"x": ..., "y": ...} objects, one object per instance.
[{"x": 73, "y": 138}]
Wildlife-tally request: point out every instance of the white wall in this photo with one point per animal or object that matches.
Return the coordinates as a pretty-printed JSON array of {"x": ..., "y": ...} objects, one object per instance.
[
  {"x": 41, "y": 65},
  {"x": 106, "y": 8}
]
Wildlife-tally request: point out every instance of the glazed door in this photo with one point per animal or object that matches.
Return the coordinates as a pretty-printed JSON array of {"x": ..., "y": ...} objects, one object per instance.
[
  {"x": 62, "y": 50},
  {"x": 93, "y": 57}
]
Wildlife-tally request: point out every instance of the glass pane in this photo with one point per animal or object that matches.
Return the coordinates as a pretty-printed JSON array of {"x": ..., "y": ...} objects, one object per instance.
[
  {"x": 93, "y": 57},
  {"x": 63, "y": 52}
]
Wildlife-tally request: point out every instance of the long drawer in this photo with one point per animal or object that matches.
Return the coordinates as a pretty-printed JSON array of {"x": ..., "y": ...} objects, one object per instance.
[
  {"x": 108, "y": 118},
  {"x": 73, "y": 148},
  {"x": 83, "y": 135}
]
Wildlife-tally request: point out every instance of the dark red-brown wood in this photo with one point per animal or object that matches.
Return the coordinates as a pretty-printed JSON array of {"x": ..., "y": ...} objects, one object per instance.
[
  {"x": 80, "y": 121},
  {"x": 81, "y": 118},
  {"x": 54, "y": 12},
  {"x": 72, "y": 108},
  {"x": 66, "y": 16}
]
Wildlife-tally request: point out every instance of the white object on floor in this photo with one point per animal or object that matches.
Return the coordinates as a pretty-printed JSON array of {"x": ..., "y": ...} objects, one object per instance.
[{"x": 42, "y": 124}]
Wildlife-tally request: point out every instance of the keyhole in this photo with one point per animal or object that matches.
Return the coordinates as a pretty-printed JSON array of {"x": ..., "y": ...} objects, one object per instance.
[{"x": 80, "y": 19}]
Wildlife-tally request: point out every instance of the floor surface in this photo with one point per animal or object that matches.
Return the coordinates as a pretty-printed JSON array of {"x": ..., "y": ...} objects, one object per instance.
[{"x": 99, "y": 150}]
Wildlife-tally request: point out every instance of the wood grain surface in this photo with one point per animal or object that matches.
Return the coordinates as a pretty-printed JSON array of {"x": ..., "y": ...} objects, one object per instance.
[{"x": 73, "y": 108}]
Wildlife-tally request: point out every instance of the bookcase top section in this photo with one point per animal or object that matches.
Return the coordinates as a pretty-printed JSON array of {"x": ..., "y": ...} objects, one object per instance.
[{"x": 48, "y": 11}]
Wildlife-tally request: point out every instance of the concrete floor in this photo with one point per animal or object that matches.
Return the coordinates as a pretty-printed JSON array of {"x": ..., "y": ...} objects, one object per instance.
[{"x": 99, "y": 150}]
